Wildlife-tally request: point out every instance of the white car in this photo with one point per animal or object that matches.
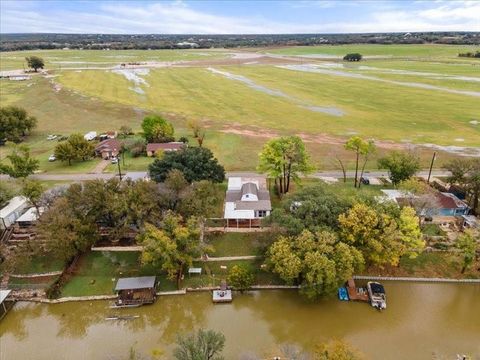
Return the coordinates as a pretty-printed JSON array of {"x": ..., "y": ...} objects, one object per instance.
[
  {"x": 114, "y": 160},
  {"x": 52, "y": 158},
  {"x": 51, "y": 137}
]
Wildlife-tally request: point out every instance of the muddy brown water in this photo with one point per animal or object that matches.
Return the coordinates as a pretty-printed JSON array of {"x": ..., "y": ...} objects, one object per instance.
[{"x": 422, "y": 321}]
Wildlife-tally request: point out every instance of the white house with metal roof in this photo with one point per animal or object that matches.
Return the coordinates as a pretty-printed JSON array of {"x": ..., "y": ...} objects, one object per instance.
[{"x": 247, "y": 201}]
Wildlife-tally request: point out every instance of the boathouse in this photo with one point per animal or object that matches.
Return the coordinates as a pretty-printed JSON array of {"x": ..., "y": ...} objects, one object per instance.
[{"x": 136, "y": 291}]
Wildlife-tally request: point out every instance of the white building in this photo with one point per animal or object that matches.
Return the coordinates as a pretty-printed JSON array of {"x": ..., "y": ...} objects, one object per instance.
[
  {"x": 247, "y": 201},
  {"x": 12, "y": 211}
]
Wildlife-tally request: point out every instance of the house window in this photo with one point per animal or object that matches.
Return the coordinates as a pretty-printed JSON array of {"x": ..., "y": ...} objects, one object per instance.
[{"x": 261, "y": 213}]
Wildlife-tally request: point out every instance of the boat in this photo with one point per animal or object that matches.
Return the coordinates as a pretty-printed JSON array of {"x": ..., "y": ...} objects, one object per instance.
[
  {"x": 127, "y": 317},
  {"x": 343, "y": 294},
  {"x": 376, "y": 293}
]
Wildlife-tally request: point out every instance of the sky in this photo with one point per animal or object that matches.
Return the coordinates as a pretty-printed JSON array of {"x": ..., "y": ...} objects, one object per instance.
[{"x": 237, "y": 17}]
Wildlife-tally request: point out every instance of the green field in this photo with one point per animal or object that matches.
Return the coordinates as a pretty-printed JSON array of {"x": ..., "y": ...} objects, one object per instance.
[
  {"x": 64, "y": 59},
  {"x": 375, "y": 99}
]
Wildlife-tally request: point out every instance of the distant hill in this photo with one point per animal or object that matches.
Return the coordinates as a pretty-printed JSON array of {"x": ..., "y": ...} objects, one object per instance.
[{"x": 10, "y": 42}]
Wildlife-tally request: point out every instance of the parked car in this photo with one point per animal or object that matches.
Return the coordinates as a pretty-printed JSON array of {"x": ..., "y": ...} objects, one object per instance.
[
  {"x": 51, "y": 137},
  {"x": 52, "y": 158},
  {"x": 114, "y": 160}
]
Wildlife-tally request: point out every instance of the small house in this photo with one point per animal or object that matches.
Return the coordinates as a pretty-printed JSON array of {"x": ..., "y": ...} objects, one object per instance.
[
  {"x": 108, "y": 149},
  {"x": 91, "y": 135},
  {"x": 136, "y": 291},
  {"x": 154, "y": 148},
  {"x": 12, "y": 211},
  {"x": 247, "y": 201}
]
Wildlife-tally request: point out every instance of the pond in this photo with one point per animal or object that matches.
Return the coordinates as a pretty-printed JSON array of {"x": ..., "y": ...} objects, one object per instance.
[{"x": 422, "y": 321}]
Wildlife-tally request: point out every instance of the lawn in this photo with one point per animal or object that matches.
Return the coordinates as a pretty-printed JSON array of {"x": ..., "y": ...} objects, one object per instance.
[
  {"x": 429, "y": 264},
  {"x": 397, "y": 50},
  {"x": 64, "y": 59},
  {"x": 238, "y": 244},
  {"x": 97, "y": 273}
]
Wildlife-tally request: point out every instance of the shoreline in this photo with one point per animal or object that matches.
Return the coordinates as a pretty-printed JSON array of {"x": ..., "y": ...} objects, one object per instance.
[{"x": 184, "y": 291}]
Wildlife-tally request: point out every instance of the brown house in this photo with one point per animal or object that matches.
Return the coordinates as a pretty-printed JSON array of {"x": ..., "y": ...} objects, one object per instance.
[
  {"x": 108, "y": 148},
  {"x": 170, "y": 146}
]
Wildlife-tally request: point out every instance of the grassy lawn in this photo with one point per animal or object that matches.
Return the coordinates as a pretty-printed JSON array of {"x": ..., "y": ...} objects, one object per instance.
[
  {"x": 429, "y": 264},
  {"x": 237, "y": 244},
  {"x": 212, "y": 273},
  {"x": 396, "y": 50},
  {"x": 97, "y": 273},
  {"x": 64, "y": 59},
  {"x": 40, "y": 264}
]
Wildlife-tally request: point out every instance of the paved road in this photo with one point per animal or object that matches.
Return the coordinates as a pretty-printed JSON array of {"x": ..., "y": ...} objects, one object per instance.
[{"x": 333, "y": 174}]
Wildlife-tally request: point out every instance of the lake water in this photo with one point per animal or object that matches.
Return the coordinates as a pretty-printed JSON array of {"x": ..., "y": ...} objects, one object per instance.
[{"x": 422, "y": 321}]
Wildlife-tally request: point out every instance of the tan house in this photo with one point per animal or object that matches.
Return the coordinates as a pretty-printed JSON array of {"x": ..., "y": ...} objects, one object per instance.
[
  {"x": 108, "y": 149},
  {"x": 153, "y": 148}
]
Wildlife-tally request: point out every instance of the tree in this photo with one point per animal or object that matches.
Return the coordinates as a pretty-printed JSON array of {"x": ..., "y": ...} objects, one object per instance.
[
  {"x": 467, "y": 244},
  {"x": 284, "y": 159},
  {"x": 374, "y": 232},
  {"x": 75, "y": 148},
  {"x": 410, "y": 232},
  {"x": 352, "y": 57},
  {"x": 240, "y": 278},
  {"x": 198, "y": 130},
  {"x": 314, "y": 208},
  {"x": 203, "y": 345},
  {"x": 401, "y": 166},
  {"x": 35, "y": 62},
  {"x": 336, "y": 350},
  {"x": 196, "y": 164},
  {"x": 156, "y": 129},
  {"x": 173, "y": 246},
  {"x": 15, "y": 123},
  {"x": 125, "y": 131},
  {"x": 421, "y": 196},
  {"x": 466, "y": 173},
  {"x": 318, "y": 262},
  {"x": 361, "y": 148},
  {"x": 66, "y": 231},
  {"x": 32, "y": 190},
  {"x": 21, "y": 164},
  {"x": 6, "y": 192}
]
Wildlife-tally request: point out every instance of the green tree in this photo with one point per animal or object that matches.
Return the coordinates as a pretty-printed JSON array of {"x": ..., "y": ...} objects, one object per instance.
[
  {"x": 157, "y": 129},
  {"x": 284, "y": 159},
  {"x": 361, "y": 148},
  {"x": 67, "y": 232},
  {"x": 467, "y": 244},
  {"x": 15, "y": 123},
  {"x": 353, "y": 57},
  {"x": 410, "y": 232},
  {"x": 319, "y": 263},
  {"x": 75, "y": 148},
  {"x": 32, "y": 190},
  {"x": 336, "y": 350},
  {"x": 195, "y": 163},
  {"x": 171, "y": 247},
  {"x": 202, "y": 345},
  {"x": 198, "y": 130},
  {"x": 6, "y": 192},
  {"x": 401, "y": 166},
  {"x": 374, "y": 232},
  {"x": 125, "y": 131},
  {"x": 466, "y": 174},
  {"x": 21, "y": 164},
  {"x": 313, "y": 207},
  {"x": 240, "y": 278},
  {"x": 35, "y": 62}
]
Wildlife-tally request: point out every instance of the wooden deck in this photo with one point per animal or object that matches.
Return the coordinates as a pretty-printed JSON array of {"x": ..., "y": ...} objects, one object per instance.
[{"x": 356, "y": 294}]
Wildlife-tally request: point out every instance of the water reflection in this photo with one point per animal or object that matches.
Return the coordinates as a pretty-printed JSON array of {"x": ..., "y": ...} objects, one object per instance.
[{"x": 422, "y": 320}]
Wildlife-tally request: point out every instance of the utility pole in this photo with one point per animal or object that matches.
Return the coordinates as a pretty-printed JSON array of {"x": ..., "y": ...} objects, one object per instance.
[
  {"x": 119, "y": 171},
  {"x": 431, "y": 166}
]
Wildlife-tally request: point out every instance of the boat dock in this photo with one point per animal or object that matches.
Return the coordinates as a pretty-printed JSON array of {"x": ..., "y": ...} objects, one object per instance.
[{"x": 356, "y": 294}]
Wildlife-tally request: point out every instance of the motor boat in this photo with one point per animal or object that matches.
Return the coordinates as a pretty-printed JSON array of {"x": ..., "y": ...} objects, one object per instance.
[{"x": 376, "y": 293}]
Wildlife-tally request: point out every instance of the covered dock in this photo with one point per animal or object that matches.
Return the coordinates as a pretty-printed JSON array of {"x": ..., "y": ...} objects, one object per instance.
[{"x": 136, "y": 291}]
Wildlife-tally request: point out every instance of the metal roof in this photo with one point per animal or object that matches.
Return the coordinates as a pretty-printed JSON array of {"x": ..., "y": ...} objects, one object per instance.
[
  {"x": 13, "y": 205},
  {"x": 4, "y": 294},
  {"x": 143, "y": 282}
]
